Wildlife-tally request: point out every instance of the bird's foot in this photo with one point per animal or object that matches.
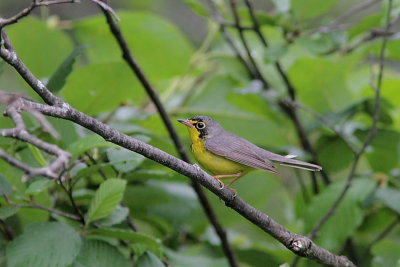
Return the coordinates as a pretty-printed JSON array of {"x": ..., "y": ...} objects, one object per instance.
[{"x": 222, "y": 185}]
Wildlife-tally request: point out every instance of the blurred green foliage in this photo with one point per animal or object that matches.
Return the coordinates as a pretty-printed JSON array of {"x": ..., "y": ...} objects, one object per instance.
[{"x": 331, "y": 72}]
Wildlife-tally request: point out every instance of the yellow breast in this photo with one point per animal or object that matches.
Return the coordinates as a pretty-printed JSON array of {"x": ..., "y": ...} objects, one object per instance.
[{"x": 215, "y": 164}]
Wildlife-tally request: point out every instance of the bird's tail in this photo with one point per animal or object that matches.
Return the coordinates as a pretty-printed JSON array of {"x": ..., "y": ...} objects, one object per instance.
[{"x": 290, "y": 162}]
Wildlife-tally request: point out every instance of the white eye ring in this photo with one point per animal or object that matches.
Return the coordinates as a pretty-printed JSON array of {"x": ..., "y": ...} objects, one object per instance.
[{"x": 200, "y": 125}]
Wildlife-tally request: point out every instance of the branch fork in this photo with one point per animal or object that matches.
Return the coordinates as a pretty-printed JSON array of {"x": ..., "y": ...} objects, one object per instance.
[{"x": 19, "y": 132}]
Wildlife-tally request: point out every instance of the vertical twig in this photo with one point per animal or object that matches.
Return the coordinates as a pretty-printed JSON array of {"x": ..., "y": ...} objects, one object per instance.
[
  {"x": 371, "y": 133},
  {"x": 290, "y": 111},
  {"x": 246, "y": 46},
  {"x": 128, "y": 57}
]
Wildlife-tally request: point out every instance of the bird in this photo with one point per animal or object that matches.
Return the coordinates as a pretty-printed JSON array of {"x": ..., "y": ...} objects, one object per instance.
[{"x": 227, "y": 155}]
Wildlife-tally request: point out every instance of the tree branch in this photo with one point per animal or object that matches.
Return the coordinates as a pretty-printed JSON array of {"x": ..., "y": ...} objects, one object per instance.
[
  {"x": 20, "y": 133},
  {"x": 298, "y": 244}
]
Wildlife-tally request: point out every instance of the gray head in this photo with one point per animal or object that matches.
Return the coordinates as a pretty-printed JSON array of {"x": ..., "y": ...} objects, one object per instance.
[{"x": 205, "y": 126}]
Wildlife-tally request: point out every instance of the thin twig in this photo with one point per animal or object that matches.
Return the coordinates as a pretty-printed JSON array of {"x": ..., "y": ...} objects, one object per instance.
[
  {"x": 81, "y": 216},
  {"x": 371, "y": 36},
  {"x": 230, "y": 41},
  {"x": 152, "y": 93},
  {"x": 246, "y": 46},
  {"x": 383, "y": 234},
  {"x": 129, "y": 218},
  {"x": 371, "y": 134},
  {"x": 38, "y": 206},
  {"x": 20, "y": 133},
  {"x": 7, "y": 233},
  {"x": 327, "y": 123},
  {"x": 291, "y": 112},
  {"x": 349, "y": 13},
  {"x": 26, "y": 11}
]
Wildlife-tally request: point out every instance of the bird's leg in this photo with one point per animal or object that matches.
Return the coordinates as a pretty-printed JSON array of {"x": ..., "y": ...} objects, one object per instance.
[
  {"x": 234, "y": 181},
  {"x": 222, "y": 176}
]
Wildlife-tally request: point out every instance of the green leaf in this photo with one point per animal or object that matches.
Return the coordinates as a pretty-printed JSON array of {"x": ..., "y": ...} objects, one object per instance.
[
  {"x": 148, "y": 259},
  {"x": 38, "y": 186},
  {"x": 6, "y": 212},
  {"x": 106, "y": 198},
  {"x": 365, "y": 24},
  {"x": 389, "y": 196},
  {"x": 1, "y": 66},
  {"x": 123, "y": 159},
  {"x": 334, "y": 154},
  {"x": 384, "y": 155},
  {"x": 306, "y": 9},
  {"x": 257, "y": 257},
  {"x": 275, "y": 52},
  {"x": 180, "y": 259},
  {"x": 322, "y": 43},
  {"x": 87, "y": 143},
  {"x": 252, "y": 127},
  {"x": 58, "y": 79},
  {"x": 130, "y": 236},
  {"x": 117, "y": 216},
  {"x": 282, "y": 6},
  {"x": 97, "y": 253},
  {"x": 386, "y": 253},
  {"x": 328, "y": 91},
  {"x": 198, "y": 7},
  {"x": 37, "y": 154},
  {"x": 347, "y": 217},
  {"x": 5, "y": 187},
  {"x": 44, "y": 244},
  {"x": 158, "y": 46},
  {"x": 51, "y": 46},
  {"x": 102, "y": 87}
]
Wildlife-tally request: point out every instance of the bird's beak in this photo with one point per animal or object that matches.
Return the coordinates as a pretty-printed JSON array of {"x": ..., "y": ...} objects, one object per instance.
[{"x": 186, "y": 122}]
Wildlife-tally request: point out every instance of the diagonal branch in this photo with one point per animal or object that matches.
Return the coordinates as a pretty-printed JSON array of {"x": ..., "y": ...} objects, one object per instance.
[
  {"x": 152, "y": 93},
  {"x": 326, "y": 122},
  {"x": 298, "y": 244},
  {"x": 335, "y": 24},
  {"x": 26, "y": 11}
]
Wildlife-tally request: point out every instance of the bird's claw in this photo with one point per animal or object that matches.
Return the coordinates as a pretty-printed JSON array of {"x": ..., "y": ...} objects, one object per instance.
[{"x": 234, "y": 192}]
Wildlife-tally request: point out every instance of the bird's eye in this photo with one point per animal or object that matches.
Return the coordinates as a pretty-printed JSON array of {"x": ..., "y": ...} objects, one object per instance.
[{"x": 200, "y": 125}]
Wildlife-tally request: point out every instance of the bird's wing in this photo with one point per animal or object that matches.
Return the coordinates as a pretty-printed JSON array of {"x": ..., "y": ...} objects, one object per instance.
[{"x": 239, "y": 150}]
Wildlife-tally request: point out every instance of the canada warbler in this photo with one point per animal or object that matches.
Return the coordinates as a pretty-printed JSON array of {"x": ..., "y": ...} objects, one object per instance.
[{"x": 227, "y": 155}]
